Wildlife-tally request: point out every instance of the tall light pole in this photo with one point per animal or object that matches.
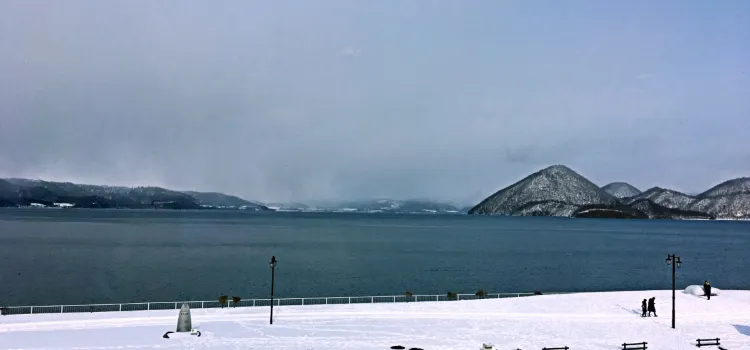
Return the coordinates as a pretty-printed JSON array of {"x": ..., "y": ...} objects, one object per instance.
[
  {"x": 673, "y": 260},
  {"x": 272, "y": 264}
]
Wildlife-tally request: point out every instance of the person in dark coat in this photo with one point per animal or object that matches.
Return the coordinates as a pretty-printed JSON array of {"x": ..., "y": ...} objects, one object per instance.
[
  {"x": 652, "y": 307},
  {"x": 707, "y": 289},
  {"x": 644, "y": 308}
]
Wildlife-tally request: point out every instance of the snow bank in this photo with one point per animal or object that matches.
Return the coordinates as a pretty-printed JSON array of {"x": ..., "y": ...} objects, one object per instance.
[
  {"x": 698, "y": 290},
  {"x": 590, "y": 321}
]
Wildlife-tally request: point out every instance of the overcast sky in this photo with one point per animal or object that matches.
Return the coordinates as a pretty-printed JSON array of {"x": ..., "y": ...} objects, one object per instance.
[{"x": 299, "y": 100}]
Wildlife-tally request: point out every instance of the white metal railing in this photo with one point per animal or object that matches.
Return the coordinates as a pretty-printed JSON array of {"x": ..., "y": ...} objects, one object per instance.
[{"x": 175, "y": 305}]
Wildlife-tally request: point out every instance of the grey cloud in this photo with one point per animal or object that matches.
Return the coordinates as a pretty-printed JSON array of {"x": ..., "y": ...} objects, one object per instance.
[
  {"x": 644, "y": 76},
  {"x": 294, "y": 101},
  {"x": 351, "y": 51}
]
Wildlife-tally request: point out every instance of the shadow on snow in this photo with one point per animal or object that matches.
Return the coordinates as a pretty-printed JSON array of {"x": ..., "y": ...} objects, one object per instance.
[{"x": 743, "y": 329}]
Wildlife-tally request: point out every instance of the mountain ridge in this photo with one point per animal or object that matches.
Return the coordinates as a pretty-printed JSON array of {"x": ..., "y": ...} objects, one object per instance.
[
  {"x": 663, "y": 196},
  {"x": 554, "y": 184},
  {"x": 621, "y": 189},
  {"x": 28, "y": 192},
  {"x": 740, "y": 185},
  {"x": 729, "y": 199},
  {"x": 560, "y": 191},
  {"x": 553, "y": 191}
]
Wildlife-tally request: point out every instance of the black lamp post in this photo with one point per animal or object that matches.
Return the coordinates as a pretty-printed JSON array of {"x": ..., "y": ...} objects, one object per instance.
[
  {"x": 272, "y": 264},
  {"x": 675, "y": 262}
]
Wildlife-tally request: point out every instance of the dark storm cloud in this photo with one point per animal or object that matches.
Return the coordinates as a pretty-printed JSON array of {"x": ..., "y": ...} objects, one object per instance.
[{"x": 297, "y": 100}]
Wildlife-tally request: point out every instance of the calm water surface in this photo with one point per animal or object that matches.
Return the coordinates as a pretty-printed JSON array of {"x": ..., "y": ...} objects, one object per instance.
[{"x": 100, "y": 256}]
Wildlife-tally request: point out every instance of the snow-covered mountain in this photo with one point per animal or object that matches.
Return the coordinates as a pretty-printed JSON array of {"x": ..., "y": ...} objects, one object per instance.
[
  {"x": 664, "y": 197},
  {"x": 621, "y": 190},
  {"x": 656, "y": 211},
  {"x": 730, "y": 187},
  {"x": 727, "y": 200},
  {"x": 25, "y": 192},
  {"x": 544, "y": 208},
  {"x": 553, "y": 191},
  {"x": 560, "y": 191},
  {"x": 735, "y": 206}
]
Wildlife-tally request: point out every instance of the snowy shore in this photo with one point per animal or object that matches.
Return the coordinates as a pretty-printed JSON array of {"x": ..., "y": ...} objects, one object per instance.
[{"x": 580, "y": 321}]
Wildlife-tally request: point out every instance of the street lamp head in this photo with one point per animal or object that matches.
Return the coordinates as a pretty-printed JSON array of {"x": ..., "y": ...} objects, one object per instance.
[
  {"x": 669, "y": 259},
  {"x": 272, "y": 264},
  {"x": 678, "y": 262}
]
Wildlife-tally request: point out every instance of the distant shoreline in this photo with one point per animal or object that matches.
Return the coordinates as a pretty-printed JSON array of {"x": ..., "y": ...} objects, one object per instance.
[
  {"x": 342, "y": 212},
  {"x": 238, "y": 210}
]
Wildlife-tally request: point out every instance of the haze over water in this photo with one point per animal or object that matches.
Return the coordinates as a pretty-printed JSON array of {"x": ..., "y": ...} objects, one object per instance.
[{"x": 98, "y": 256}]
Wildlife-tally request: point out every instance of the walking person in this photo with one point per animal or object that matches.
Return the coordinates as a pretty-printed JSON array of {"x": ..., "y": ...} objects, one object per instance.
[
  {"x": 652, "y": 307},
  {"x": 644, "y": 308},
  {"x": 707, "y": 289}
]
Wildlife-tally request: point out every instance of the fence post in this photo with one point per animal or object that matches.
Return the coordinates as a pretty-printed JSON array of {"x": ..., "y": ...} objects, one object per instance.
[
  {"x": 303, "y": 301},
  {"x": 350, "y": 300},
  {"x": 61, "y": 308},
  {"x": 372, "y": 300},
  {"x": 120, "y": 307},
  {"x": 148, "y": 306},
  {"x": 201, "y": 305},
  {"x": 175, "y": 305},
  {"x": 326, "y": 300},
  {"x": 437, "y": 298},
  {"x": 253, "y": 302},
  {"x": 32, "y": 310}
]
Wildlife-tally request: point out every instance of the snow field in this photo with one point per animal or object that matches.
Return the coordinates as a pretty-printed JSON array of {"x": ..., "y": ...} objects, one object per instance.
[{"x": 580, "y": 321}]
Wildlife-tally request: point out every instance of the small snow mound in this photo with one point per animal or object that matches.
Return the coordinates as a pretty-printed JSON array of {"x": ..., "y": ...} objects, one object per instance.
[{"x": 698, "y": 290}]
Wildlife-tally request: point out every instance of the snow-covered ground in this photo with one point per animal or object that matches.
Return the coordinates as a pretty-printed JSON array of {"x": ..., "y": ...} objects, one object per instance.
[{"x": 581, "y": 321}]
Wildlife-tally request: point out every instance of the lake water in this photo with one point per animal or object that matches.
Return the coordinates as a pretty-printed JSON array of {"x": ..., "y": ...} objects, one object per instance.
[{"x": 101, "y": 256}]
